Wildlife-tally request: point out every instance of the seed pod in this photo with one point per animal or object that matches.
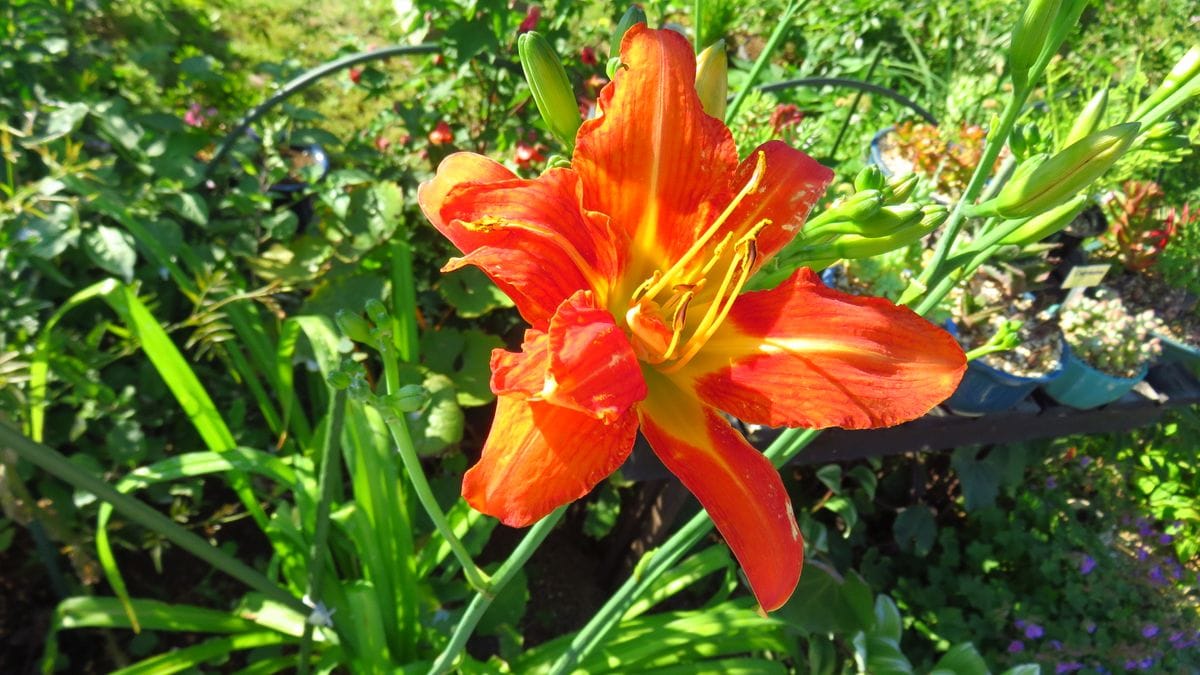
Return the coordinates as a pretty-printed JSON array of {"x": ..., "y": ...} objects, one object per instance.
[
  {"x": 1029, "y": 37},
  {"x": 551, "y": 89},
  {"x": 1059, "y": 178},
  {"x": 712, "y": 79},
  {"x": 1089, "y": 118},
  {"x": 1045, "y": 224}
]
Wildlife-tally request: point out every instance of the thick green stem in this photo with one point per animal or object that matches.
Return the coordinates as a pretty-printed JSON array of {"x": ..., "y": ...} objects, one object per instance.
[
  {"x": 481, "y": 601},
  {"x": 59, "y": 466},
  {"x": 329, "y": 478},
  {"x": 995, "y": 143},
  {"x": 412, "y": 466}
]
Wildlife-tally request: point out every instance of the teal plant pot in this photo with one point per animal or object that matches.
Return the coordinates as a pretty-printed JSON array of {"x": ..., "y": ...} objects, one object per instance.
[
  {"x": 1174, "y": 351},
  {"x": 985, "y": 389},
  {"x": 1083, "y": 387}
]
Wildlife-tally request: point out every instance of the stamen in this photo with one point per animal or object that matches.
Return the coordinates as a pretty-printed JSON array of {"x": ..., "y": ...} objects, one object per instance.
[
  {"x": 491, "y": 224},
  {"x": 678, "y": 322},
  {"x": 751, "y": 185},
  {"x": 743, "y": 261}
]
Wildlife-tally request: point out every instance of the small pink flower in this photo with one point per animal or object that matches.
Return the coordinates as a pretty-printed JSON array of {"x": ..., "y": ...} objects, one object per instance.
[
  {"x": 441, "y": 134},
  {"x": 194, "y": 117},
  {"x": 531, "y": 19},
  {"x": 382, "y": 143},
  {"x": 587, "y": 56}
]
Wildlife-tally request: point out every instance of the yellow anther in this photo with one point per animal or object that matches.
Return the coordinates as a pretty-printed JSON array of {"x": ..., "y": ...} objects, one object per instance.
[{"x": 669, "y": 277}]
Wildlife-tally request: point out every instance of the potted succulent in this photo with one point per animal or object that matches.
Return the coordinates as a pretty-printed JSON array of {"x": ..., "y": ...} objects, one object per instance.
[
  {"x": 1107, "y": 349},
  {"x": 999, "y": 380}
]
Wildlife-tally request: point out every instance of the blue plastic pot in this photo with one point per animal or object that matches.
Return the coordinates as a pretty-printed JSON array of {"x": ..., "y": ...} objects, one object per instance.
[
  {"x": 1174, "y": 351},
  {"x": 985, "y": 389},
  {"x": 1083, "y": 387},
  {"x": 874, "y": 155}
]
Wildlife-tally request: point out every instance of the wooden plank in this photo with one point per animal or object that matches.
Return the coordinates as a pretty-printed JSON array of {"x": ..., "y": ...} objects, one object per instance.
[{"x": 1169, "y": 386}]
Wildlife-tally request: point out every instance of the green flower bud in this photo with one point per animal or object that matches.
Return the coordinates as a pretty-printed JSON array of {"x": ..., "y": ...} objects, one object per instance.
[
  {"x": 888, "y": 220},
  {"x": 712, "y": 79},
  {"x": 1045, "y": 224},
  {"x": 551, "y": 89},
  {"x": 841, "y": 217},
  {"x": 921, "y": 223},
  {"x": 354, "y": 326},
  {"x": 1163, "y": 129},
  {"x": 1051, "y": 182},
  {"x": 633, "y": 16},
  {"x": 1182, "y": 77},
  {"x": 870, "y": 178},
  {"x": 1029, "y": 37},
  {"x": 1167, "y": 144},
  {"x": 378, "y": 313},
  {"x": 900, "y": 189},
  {"x": 1089, "y": 118}
]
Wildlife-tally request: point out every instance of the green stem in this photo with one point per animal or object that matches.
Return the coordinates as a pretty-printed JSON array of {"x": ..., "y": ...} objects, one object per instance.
[
  {"x": 329, "y": 478},
  {"x": 404, "y": 302},
  {"x": 781, "y": 451},
  {"x": 991, "y": 150},
  {"x": 412, "y": 465},
  {"x": 785, "y": 22},
  {"x": 56, "y": 464},
  {"x": 481, "y": 601}
]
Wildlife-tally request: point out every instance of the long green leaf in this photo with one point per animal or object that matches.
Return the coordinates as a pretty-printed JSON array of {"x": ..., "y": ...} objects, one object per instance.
[
  {"x": 680, "y": 577},
  {"x": 174, "y": 468},
  {"x": 182, "y": 659}
]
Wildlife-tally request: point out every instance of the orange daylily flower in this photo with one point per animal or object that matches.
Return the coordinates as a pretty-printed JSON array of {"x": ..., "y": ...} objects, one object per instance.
[{"x": 629, "y": 265}]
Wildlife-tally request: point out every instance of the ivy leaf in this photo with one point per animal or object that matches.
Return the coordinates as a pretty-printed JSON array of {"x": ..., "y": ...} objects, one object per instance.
[
  {"x": 915, "y": 530},
  {"x": 825, "y": 602},
  {"x": 471, "y": 293},
  {"x": 980, "y": 479},
  {"x": 112, "y": 250}
]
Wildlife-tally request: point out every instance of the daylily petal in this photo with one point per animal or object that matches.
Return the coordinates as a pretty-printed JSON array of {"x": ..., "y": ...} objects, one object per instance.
[
  {"x": 478, "y": 204},
  {"x": 592, "y": 365},
  {"x": 791, "y": 184},
  {"x": 653, "y": 160},
  {"x": 584, "y": 362},
  {"x": 539, "y": 456},
  {"x": 735, "y": 483},
  {"x": 804, "y": 355}
]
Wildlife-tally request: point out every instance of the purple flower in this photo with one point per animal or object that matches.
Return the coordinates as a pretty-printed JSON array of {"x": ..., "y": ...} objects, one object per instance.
[
  {"x": 1165, "y": 539},
  {"x": 1034, "y": 631},
  {"x": 1020, "y": 624},
  {"x": 1156, "y": 575},
  {"x": 1149, "y": 631},
  {"x": 1085, "y": 461},
  {"x": 1146, "y": 663},
  {"x": 1056, "y": 645},
  {"x": 1176, "y": 638},
  {"x": 1131, "y": 665},
  {"x": 1142, "y": 554},
  {"x": 1068, "y": 667},
  {"x": 1016, "y": 646},
  {"x": 1051, "y": 483},
  {"x": 1087, "y": 565},
  {"x": 1090, "y": 627},
  {"x": 1144, "y": 530}
]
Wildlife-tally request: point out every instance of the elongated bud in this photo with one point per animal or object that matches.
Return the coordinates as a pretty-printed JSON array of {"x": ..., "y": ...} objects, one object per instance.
[
  {"x": 888, "y": 220},
  {"x": 378, "y": 313},
  {"x": 354, "y": 326},
  {"x": 1163, "y": 129},
  {"x": 898, "y": 190},
  {"x": 870, "y": 178},
  {"x": 551, "y": 89},
  {"x": 1167, "y": 143},
  {"x": 1181, "y": 76},
  {"x": 1059, "y": 178},
  {"x": 851, "y": 246},
  {"x": 841, "y": 217},
  {"x": 1029, "y": 37},
  {"x": 1089, "y": 119},
  {"x": 712, "y": 79},
  {"x": 632, "y": 16},
  {"x": 1045, "y": 224}
]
